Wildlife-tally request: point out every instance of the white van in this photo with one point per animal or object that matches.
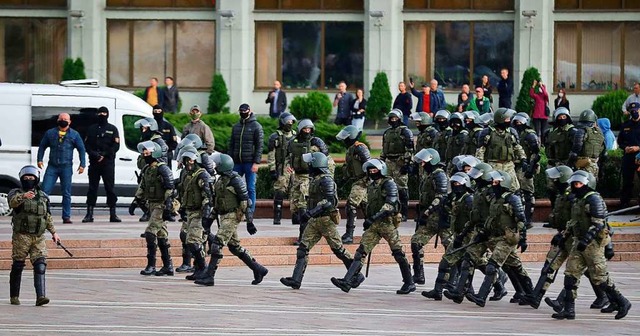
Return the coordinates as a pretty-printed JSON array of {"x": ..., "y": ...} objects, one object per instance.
[{"x": 27, "y": 111}]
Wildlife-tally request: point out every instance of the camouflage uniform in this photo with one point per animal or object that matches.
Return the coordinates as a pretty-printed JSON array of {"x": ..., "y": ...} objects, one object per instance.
[
  {"x": 528, "y": 167},
  {"x": 588, "y": 147},
  {"x": 456, "y": 142},
  {"x": 500, "y": 149},
  {"x": 276, "y": 158},
  {"x": 357, "y": 155},
  {"x": 397, "y": 150},
  {"x": 31, "y": 218},
  {"x": 232, "y": 204},
  {"x": 440, "y": 144},
  {"x": 472, "y": 144}
]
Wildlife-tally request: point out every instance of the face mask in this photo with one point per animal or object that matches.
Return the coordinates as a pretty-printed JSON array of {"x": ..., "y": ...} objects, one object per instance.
[
  {"x": 28, "y": 184},
  {"x": 442, "y": 124},
  {"x": 158, "y": 117},
  {"x": 349, "y": 142},
  {"x": 428, "y": 168},
  {"x": 635, "y": 115},
  {"x": 244, "y": 115},
  {"x": 502, "y": 126},
  {"x": 561, "y": 122},
  {"x": 560, "y": 94},
  {"x": 579, "y": 191},
  {"x": 520, "y": 127},
  {"x": 149, "y": 159},
  {"x": 560, "y": 186},
  {"x": 394, "y": 124},
  {"x": 481, "y": 183},
  {"x": 287, "y": 127},
  {"x": 146, "y": 135},
  {"x": 305, "y": 136},
  {"x": 63, "y": 123},
  {"x": 195, "y": 116},
  {"x": 497, "y": 190},
  {"x": 459, "y": 190},
  {"x": 456, "y": 125},
  {"x": 374, "y": 176},
  {"x": 102, "y": 119}
]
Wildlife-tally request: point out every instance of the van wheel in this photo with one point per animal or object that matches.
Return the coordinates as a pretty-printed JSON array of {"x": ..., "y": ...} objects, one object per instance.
[{"x": 5, "y": 210}]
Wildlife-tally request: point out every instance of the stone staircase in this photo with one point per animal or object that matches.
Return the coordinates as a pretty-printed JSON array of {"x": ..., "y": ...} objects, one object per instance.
[{"x": 270, "y": 251}]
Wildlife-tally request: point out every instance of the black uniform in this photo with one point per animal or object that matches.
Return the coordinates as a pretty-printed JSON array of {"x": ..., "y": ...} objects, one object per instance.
[
  {"x": 102, "y": 141},
  {"x": 169, "y": 137},
  {"x": 629, "y": 136}
]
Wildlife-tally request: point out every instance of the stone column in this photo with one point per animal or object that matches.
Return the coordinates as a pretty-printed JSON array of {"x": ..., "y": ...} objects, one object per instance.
[{"x": 87, "y": 36}]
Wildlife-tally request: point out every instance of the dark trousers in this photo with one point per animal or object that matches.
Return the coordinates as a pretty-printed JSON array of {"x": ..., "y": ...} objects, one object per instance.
[
  {"x": 540, "y": 125},
  {"x": 106, "y": 171},
  {"x": 343, "y": 121},
  {"x": 628, "y": 171},
  {"x": 504, "y": 102}
]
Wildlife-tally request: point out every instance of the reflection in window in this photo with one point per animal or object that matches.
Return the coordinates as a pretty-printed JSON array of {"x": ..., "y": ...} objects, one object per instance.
[
  {"x": 452, "y": 55},
  {"x": 601, "y": 56},
  {"x": 343, "y": 53},
  {"x": 32, "y": 50},
  {"x": 566, "y": 56},
  {"x": 631, "y": 55},
  {"x": 301, "y": 50},
  {"x": 492, "y": 50}
]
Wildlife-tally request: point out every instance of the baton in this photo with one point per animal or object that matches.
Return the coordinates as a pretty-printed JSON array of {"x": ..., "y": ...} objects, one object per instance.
[
  {"x": 366, "y": 272},
  {"x": 613, "y": 213},
  {"x": 463, "y": 247},
  {"x": 64, "y": 248}
]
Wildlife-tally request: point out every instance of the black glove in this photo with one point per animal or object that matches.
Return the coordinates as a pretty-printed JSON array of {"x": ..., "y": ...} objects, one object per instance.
[
  {"x": 367, "y": 224},
  {"x": 480, "y": 237},
  {"x": 167, "y": 215},
  {"x": 274, "y": 175},
  {"x": 571, "y": 161},
  {"x": 530, "y": 172},
  {"x": 305, "y": 216},
  {"x": 525, "y": 166},
  {"x": 559, "y": 237},
  {"x": 168, "y": 204},
  {"x": 522, "y": 244},
  {"x": 207, "y": 222},
  {"x": 608, "y": 251},
  {"x": 183, "y": 214},
  {"x": 133, "y": 206},
  {"x": 457, "y": 242},
  {"x": 405, "y": 169},
  {"x": 582, "y": 245},
  {"x": 251, "y": 228}
]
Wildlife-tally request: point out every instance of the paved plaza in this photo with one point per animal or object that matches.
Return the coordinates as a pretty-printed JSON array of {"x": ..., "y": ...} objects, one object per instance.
[{"x": 119, "y": 301}]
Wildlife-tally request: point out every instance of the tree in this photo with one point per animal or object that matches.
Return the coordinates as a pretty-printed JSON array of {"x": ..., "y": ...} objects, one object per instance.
[
  {"x": 608, "y": 106},
  {"x": 380, "y": 98},
  {"x": 79, "y": 69},
  {"x": 73, "y": 69},
  {"x": 525, "y": 102},
  {"x": 314, "y": 105},
  {"x": 218, "y": 95}
]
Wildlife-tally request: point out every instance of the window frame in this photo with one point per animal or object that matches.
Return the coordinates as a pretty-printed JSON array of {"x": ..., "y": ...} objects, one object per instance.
[
  {"x": 174, "y": 71},
  {"x": 579, "y": 25},
  {"x": 472, "y": 5},
  {"x": 279, "y": 75},
  {"x": 581, "y": 8},
  {"x": 173, "y": 6},
  {"x": 279, "y": 8},
  {"x": 26, "y": 4},
  {"x": 430, "y": 59}
]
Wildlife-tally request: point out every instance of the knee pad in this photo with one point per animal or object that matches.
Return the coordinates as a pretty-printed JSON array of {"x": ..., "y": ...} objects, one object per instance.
[
  {"x": 18, "y": 265},
  {"x": 236, "y": 250},
  {"x": 360, "y": 253},
  {"x": 279, "y": 195},
  {"x": 194, "y": 248},
  {"x": 302, "y": 252},
  {"x": 339, "y": 252},
  {"x": 183, "y": 237},
  {"x": 444, "y": 266},
  {"x": 492, "y": 268},
  {"x": 416, "y": 248},
  {"x": 163, "y": 242},
  {"x": 215, "y": 249},
  {"x": 570, "y": 283},
  {"x": 150, "y": 238},
  {"x": 350, "y": 207},
  {"x": 398, "y": 255},
  {"x": 40, "y": 266}
]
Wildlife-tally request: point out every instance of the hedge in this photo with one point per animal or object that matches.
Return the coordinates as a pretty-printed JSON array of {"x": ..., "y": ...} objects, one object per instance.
[{"x": 221, "y": 125}]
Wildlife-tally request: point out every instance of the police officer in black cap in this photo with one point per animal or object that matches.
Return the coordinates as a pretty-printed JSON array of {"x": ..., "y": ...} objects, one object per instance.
[
  {"x": 102, "y": 143},
  {"x": 168, "y": 132},
  {"x": 629, "y": 142}
]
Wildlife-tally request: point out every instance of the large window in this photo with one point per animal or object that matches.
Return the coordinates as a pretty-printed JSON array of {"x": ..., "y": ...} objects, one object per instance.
[
  {"x": 596, "y": 56},
  {"x": 34, "y": 3},
  {"x": 139, "y": 50},
  {"x": 32, "y": 50},
  {"x": 486, "y": 5},
  {"x": 457, "y": 53},
  {"x": 597, "y": 4},
  {"x": 310, "y": 4},
  {"x": 162, "y": 3},
  {"x": 309, "y": 55}
]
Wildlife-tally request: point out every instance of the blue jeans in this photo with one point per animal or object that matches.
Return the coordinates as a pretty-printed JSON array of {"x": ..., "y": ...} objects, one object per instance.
[
  {"x": 51, "y": 176},
  {"x": 405, "y": 120},
  {"x": 244, "y": 169}
]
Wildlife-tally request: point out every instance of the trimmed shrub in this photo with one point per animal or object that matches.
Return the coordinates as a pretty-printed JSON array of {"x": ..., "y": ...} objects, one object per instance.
[
  {"x": 609, "y": 106},
  {"x": 524, "y": 103},
  {"x": 218, "y": 95},
  {"x": 314, "y": 105},
  {"x": 73, "y": 69},
  {"x": 78, "y": 66},
  {"x": 380, "y": 99}
]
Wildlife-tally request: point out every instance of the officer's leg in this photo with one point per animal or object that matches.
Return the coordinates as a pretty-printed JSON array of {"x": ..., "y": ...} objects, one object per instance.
[
  {"x": 597, "y": 266},
  {"x": 302, "y": 258},
  {"x": 370, "y": 239},
  {"x": 39, "y": 269},
  {"x": 601, "y": 300},
  {"x": 15, "y": 279},
  {"x": 352, "y": 214},
  {"x": 444, "y": 269},
  {"x": 186, "y": 253},
  {"x": 422, "y": 235},
  {"x": 167, "y": 263},
  {"x": 108, "y": 179},
  {"x": 92, "y": 193},
  {"x": 570, "y": 287},
  {"x": 209, "y": 273},
  {"x": 151, "y": 254},
  {"x": 278, "y": 200},
  {"x": 501, "y": 251},
  {"x": 259, "y": 271}
]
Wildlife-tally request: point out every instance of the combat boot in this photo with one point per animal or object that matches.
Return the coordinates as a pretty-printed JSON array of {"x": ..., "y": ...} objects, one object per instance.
[
  {"x": 295, "y": 217},
  {"x": 466, "y": 275},
  {"x": 151, "y": 254},
  {"x": 527, "y": 287},
  {"x": 295, "y": 280},
  {"x": 113, "y": 217},
  {"x": 601, "y": 300},
  {"x": 15, "y": 279},
  {"x": 277, "y": 210},
  {"x": 623, "y": 305},
  {"x": 558, "y": 304},
  {"x": 499, "y": 289},
  {"x": 39, "y": 270},
  {"x": 145, "y": 217},
  {"x": 198, "y": 261},
  {"x": 490, "y": 276},
  {"x": 352, "y": 273},
  {"x": 167, "y": 263},
  {"x": 529, "y": 201},
  {"x": 441, "y": 280},
  {"x": 405, "y": 269},
  {"x": 185, "y": 267},
  {"x": 418, "y": 268},
  {"x": 538, "y": 292},
  {"x": 569, "y": 304},
  {"x": 209, "y": 273},
  {"x": 352, "y": 213},
  {"x": 259, "y": 271},
  {"x": 88, "y": 218},
  {"x": 513, "y": 277},
  {"x": 303, "y": 226},
  {"x": 453, "y": 277}
]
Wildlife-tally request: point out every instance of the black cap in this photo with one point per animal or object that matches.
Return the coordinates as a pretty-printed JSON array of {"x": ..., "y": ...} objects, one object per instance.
[
  {"x": 425, "y": 85},
  {"x": 633, "y": 107},
  {"x": 103, "y": 109},
  {"x": 244, "y": 107},
  {"x": 157, "y": 107}
]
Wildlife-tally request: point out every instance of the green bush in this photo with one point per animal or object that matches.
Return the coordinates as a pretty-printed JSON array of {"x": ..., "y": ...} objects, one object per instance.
[
  {"x": 218, "y": 96},
  {"x": 608, "y": 106},
  {"x": 221, "y": 125},
  {"x": 73, "y": 69},
  {"x": 380, "y": 99},
  {"x": 314, "y": 105},
  {"x": 524, "y": 103}
]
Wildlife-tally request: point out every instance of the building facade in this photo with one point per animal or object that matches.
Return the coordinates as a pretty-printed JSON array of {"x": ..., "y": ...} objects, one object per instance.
[{"x": 584, "y": 46}]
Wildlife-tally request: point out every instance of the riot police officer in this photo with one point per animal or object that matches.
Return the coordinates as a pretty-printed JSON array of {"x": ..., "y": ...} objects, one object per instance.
[
  {"x": 590, "y": 232},
  {"x": 588, "y": 147},
  {"x": 156, "y": 187},
  {"x": 529, "y": 167},
  {"x": 459, "y": 137},
  {"x": 102, "y": 142},
  {"x": 31, "y": 218},
  {"x": 322, "y": 219},
  {"x": 432, "y": 221},
  {"x": 559, "y": 141},
  {"x": 167, "y": 132},
  {"x": 397, "y": 149},
  {"x": 428, "y": 133},
  {"x": 382, "y": 222},
  {"x": 474, "y": 126},
  {"x": 357, "y": 155},
  {"x": 276, "y": 158},
  {"x": 232, "y": 203},
  {"x": 441, "y": 121}
]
